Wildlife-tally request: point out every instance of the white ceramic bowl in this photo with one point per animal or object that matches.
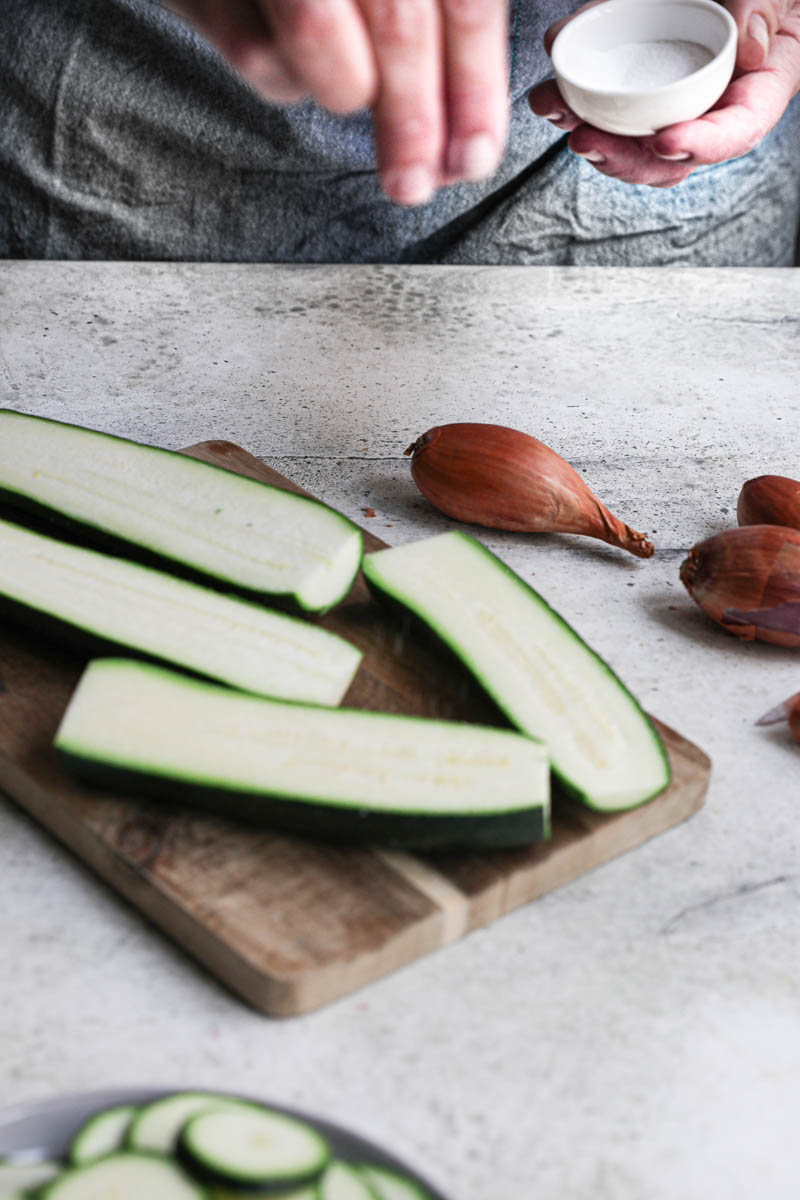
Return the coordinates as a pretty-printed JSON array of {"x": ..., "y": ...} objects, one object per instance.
[{"x": 607, "y": 26}]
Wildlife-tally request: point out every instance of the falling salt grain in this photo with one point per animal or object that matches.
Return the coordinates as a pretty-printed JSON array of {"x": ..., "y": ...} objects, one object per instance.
[{"x": 642, "y": 66}]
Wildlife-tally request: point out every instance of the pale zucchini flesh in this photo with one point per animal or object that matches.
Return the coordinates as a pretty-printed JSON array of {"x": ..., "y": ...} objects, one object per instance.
[
  {"x": 236, "y": 531},
  {"x": 158, "y": 1124},
  {"x": 304, "y": 1193},
  {"x": 391, "y": 1185},
  {"x": 18, "y": 1178},
  {"x": 538, "y": 671},
  {"x": 336, "y": 773},
  {"x": 128, "y": 1175},
  {"x": 102, "y": 1134},
  {"x": 84, "y": 597},
  {"x": 254, "y": 1147},
  {"x": 342, "y": 1181}
]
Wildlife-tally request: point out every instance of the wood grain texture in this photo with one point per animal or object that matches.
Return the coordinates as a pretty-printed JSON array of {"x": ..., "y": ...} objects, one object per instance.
[{"x": 290, "y": 924}]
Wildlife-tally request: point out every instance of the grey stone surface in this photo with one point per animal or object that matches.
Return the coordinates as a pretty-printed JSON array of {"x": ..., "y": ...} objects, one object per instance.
[{"x": 636, "y": 1034}]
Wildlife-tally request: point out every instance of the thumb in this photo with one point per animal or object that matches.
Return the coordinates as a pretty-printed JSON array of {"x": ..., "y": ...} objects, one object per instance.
[{"x": 758, "y": 21}]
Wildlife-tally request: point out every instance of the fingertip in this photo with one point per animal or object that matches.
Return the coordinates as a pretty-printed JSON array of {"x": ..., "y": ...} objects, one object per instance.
[
  {"x": 582, "y": 140},
  {"x": 356, "y": 97},
  {"x": 753, "y": 44},
  {"x": 671, "y": 144},
  {"x": 409, "y": 185}
]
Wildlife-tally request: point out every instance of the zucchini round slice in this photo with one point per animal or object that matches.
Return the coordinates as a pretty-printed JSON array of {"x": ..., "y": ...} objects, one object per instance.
[
  {"x": 124, "y": 1176},
  {"x": 305, "y": 1193},
  {"x": 342, "y": 1181},
  {"x": 17, "y": 1178},
  {"x": 253, "y": 1147},
  {"x": 157, "y": 1126},
  {"x": 102, "y": 1134},
  {"x": 391, "y": 1185}
]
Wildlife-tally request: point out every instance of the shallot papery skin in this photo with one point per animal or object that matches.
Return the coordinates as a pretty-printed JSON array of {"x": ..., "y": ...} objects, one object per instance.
[
  {"x": 752, "y": 571},
  {"x": 505, "y": 479},
  {"x": 769, "y": 500}
]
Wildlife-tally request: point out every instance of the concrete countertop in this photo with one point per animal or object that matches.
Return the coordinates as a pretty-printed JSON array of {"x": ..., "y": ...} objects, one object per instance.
[{"x": 634, "y": 1035}]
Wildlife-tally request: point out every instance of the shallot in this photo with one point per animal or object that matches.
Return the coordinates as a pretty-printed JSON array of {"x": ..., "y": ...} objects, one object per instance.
[
  {"x": 748, "y": 580},
  {"x": 770, "y": 500},
  {"x": 504, "y": 479}
]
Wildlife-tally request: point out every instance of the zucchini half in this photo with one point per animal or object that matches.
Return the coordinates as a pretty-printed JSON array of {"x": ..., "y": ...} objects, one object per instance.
[
  {"x": 329, "y": 773},
  {"x": 544, "y": 678},
  {"x": 103, "y": 604},
  {"x": 246, "y": 535}
]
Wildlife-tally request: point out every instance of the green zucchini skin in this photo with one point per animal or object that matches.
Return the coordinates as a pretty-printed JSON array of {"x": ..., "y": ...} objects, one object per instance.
[
  {"x": 306, "y": 819},
  {"x": 57, "y": 522},
  {"x": 417, "y": 620}
]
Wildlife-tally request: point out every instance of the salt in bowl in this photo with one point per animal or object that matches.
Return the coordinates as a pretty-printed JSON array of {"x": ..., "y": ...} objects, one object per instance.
[{"x": 633, "y": 67}]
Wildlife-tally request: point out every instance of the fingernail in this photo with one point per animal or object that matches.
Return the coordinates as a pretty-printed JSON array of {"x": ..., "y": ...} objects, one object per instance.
[
  {"x": 758, "y": 32},
  {"x": 681, "y": 156},
  {"x": 554, "y": 116},
  {"x": 472, "y": 158},
  {"x": 409, "y": 185},
  {"x": 593, "y": 156}
]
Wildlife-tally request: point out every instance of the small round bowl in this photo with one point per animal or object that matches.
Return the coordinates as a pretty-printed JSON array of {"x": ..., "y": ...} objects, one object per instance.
[{"x": 576, "y": 62}]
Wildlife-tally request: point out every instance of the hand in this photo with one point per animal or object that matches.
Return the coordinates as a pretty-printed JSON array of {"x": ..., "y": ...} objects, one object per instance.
[
  {"x": 432, "y": 71},
  {"x": 767, "y": 76}
]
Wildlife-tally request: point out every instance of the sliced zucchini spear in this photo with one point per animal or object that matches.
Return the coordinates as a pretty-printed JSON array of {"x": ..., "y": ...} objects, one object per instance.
[
  {"x": 342, "y": 1181},
  {"x": 125, "y": 1176},
  {"x": 391, "y": 1185},
  {"x": 94, "y": 600},
  {"x": 338, "y": 773},
  {"x": 102, "y": 1134},
  {"x": 539, "y": 672},
  {"x": 247, "y": 535},
  {"x": 253, "y": 1147}
]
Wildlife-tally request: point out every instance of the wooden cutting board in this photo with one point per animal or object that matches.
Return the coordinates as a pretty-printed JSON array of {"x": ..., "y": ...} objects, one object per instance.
[{"x": 286, "y": 923}]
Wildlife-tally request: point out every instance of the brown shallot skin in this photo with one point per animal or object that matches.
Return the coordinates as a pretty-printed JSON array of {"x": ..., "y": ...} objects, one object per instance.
[
  {"x": 794, "y": 720},
  {"x": 754, "y": 567},
  {"x": 770, "y": 500},
  {"x": 505, "y": 479}
]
